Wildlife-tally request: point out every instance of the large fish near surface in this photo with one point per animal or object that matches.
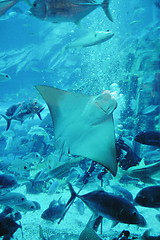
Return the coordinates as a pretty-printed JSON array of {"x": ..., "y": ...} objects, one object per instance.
[
  {"x": 89, "y": 40},
  {"x": 21, "y": 111},
  {"x": 67, "y": 10},
  {"x": 110, "y": 206},
  {"x": 5, "y": 6}
]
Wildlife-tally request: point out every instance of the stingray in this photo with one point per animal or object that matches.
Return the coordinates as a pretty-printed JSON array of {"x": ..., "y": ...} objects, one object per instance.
[{"x": 83, "y": 125}]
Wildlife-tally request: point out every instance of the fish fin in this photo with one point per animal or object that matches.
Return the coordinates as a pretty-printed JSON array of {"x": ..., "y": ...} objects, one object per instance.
[
  {"x": 105, "y": 7},
  {"x": 8, "y": 121},
  {"x": 39, "y": 114},
  {"x": 73, "y": 194},
  {"x": 70, "y": 201}
]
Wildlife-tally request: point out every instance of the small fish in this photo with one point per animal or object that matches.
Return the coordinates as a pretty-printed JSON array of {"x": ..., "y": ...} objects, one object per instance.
[
  {"x": 146, "y": 173},
  {"x": 54, "y": 211},
  {"x": 23, "y": 110},
  {"x": 110, "y": 206},
  {"x": 150, "y": 109},
  {"x": 12, "y": 199},
  {"x": 151, "y": 138},
  {"x": 7, "y": 180},
  {"x": 28, "y": 205},
  {"x": 3, "y": 76},
  {"x": 149, "y": 197},
  {"x": 67, "y": 10},
  {"x": 90, "y": 39}
]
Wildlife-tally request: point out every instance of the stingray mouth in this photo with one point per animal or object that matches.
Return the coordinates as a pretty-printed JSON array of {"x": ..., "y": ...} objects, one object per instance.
[{"x": 101, "y": 107}]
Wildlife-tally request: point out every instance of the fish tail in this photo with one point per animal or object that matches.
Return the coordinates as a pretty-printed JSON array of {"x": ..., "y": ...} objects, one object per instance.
[
  {"x": 39, "y": 113},
  {"x": 105, "y": 6},
  {"x": 73, "y": 194},
  {"x": 8, "y": 121},
  {"x": 70, "y": 201}
]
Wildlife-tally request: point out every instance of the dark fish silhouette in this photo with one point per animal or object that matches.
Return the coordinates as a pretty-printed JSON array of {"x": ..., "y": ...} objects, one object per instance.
[
  {"x": 23, "y": 110},
  {"x": 147, "y": 236},
  {"x": 149, "y": 197},
  {"x": 157, "y": 3},
  {"x": 66, "y": 10},
  {"x": 110, "y": 206},
  {"x": 8, "y": 226},
  {"x": 54, "y": 211},
  {"x": 151, "y": 138},
  {"x": 7, "y": 181}
]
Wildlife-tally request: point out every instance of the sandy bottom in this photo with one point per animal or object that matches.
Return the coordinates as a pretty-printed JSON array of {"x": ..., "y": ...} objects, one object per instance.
[{"x": 74, "y": 223}]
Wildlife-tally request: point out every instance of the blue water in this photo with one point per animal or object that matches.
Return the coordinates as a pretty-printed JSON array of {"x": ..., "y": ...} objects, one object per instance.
[{"x": 128, "y": 65}]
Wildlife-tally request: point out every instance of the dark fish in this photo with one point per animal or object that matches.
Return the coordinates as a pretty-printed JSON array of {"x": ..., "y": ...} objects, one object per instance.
[
  {"x": 5, "y": 212},
  {"x": 8, "y": 227},
  {"x": 149, "y": 197},
  {"x": 66, "y": 10},
  {"x": 5, "y": 5},
  {"x": 7, "y": 180},
  {"x": 23, "y": 110},
  {"x": 54, "y": 211},
  {"x": 151, "y": 138},
  {"x": 147, "y": 236},
  {"x": 157, "y": 3},
  {"x": 110, "y": 206}
]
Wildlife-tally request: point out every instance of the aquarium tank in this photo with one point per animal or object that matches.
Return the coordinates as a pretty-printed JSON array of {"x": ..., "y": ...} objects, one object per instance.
[{"x": 79, "y": 119}]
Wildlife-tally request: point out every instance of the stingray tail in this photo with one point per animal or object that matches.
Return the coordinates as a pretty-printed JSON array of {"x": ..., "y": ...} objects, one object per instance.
[
  {"x": 105, "y": 6},
  {"x": 8, "y": 121}
]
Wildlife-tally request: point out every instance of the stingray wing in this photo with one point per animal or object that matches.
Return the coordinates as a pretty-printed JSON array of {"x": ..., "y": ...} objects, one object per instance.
[{"x": 83, "y": 125}]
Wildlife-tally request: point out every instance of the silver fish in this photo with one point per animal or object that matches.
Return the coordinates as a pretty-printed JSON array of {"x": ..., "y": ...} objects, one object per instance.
[
  {"x": 4, "y": 76},
  {"x": 66, "y": 10},
  {"x": 12, "y": 199}
]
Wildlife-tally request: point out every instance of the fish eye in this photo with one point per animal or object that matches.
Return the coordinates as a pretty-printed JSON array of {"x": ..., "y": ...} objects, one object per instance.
[
  {"x": 134, "y": 213},
  {"x": 6, "y": 75},
  {"x": 25, "y": 167},
  {"x": 34, "y": 4},
  {"x": 107, "y": 30},
  {"x": 22, "y": 199}
]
